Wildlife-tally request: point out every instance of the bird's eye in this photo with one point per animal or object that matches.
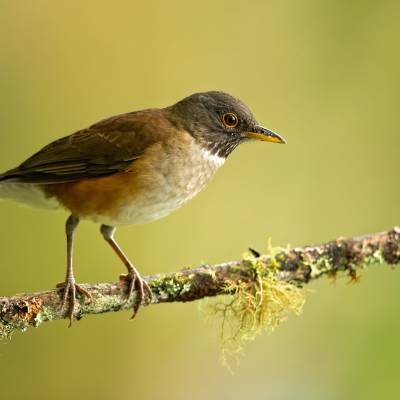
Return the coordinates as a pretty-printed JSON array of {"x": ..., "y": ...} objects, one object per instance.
[{"x": 230, "y": 120}]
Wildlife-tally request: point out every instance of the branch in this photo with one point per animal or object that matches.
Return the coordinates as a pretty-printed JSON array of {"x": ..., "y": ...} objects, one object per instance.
[{"x": 297, "y": 266}]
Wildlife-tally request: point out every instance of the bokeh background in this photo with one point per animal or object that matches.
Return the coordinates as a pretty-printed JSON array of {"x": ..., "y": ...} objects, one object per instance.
[{"x": 325, "y": 74}]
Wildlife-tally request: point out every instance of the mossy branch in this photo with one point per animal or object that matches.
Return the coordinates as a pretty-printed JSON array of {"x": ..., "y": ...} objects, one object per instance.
[{"x": 295, "y": 267}]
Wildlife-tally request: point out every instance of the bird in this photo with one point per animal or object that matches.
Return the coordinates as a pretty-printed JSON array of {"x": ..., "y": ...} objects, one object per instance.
[{"x": 132, "y": 168}]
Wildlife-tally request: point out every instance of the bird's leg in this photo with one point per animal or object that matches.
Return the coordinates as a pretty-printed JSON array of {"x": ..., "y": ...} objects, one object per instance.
[
  {"x": 133, "y": 278},
  {"x": 69, "y": 287}
]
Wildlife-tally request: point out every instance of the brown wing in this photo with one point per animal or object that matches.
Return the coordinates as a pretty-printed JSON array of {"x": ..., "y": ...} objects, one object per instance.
[{"x": 107, "y": 147}]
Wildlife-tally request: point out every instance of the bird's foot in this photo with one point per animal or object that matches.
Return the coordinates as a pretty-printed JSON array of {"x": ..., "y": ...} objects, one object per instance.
[
  {"x": 69, "y": 289},
  {"x": 135, "y": 282}
]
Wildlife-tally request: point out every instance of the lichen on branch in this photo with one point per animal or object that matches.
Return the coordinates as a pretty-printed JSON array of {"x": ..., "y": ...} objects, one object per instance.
[
  {"x": 251, "y": 307},
  {"x": 267, "y": 284}
]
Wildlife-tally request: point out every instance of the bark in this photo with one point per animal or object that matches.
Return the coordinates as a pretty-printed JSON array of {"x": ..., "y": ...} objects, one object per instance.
[{"x": 298, "y": 266}]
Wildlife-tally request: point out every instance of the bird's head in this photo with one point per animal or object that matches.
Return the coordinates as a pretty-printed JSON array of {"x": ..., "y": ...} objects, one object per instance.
[{"x": 219, "y": 121}]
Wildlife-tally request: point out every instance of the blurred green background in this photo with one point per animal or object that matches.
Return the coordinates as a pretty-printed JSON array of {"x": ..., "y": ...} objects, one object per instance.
[{"x": 325, "y": 74}]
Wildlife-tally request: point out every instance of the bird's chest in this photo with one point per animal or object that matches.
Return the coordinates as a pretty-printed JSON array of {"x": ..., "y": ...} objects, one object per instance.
[{"x": 166, "y": 179}]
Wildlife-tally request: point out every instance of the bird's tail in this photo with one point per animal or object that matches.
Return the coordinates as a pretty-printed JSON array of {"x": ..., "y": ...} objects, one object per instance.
[
  {"x": 4, "y": 190},
  {"x": 5, "y": 178},
  {"x": 9, "y": 176},
  {"x": 25, "y": 193}
]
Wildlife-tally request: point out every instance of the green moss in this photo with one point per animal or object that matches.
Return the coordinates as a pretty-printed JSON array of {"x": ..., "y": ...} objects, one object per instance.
[
  {"x": 252, "y": 307},
  {"x": 171, "y": 286},
  {"x": 325, "y": 265},
  {"x": 103, "y": 303},
  {"x": 6, "y": 331},
  {"x": 236, "y": 269},
  {"x": 211, "y": 272},
  {"x": 321, "y": 266},
  {"x": 265, "y": 264},
  {"x": 375, "y": 259},
  {"x": 7, "y": 328},
  {"x": 45, "y": 315}
]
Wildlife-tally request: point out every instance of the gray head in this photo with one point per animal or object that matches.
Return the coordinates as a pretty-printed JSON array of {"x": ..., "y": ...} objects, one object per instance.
[{"x": 219, "y": 121}]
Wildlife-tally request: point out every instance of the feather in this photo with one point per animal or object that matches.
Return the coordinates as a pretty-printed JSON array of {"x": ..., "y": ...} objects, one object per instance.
[{"x": 105, "y": 148}]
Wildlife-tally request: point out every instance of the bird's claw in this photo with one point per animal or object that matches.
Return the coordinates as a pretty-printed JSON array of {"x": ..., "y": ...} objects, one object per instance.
[
  {"x": 136, "y": 283},
  {"x": 69, "y": 289}
]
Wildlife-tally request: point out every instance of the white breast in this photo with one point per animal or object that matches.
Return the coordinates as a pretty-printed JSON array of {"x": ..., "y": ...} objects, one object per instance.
[
  {"x": 177, "y": 179},
  {"x": 213, "y": 159}
]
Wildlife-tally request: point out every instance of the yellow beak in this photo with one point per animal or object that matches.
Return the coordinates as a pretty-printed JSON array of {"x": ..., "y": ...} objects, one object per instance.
[{"x": 265, "y": 135}]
